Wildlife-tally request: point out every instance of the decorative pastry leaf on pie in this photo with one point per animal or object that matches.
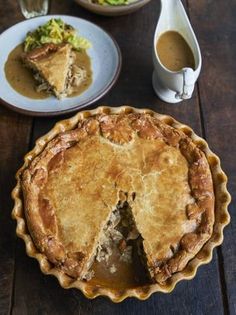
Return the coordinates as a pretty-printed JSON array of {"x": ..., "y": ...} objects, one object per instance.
[{"x": 124, "y": 181}]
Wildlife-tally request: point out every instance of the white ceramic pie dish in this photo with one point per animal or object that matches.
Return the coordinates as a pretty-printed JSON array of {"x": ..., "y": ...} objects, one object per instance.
[{"x": 204, "y": 256}]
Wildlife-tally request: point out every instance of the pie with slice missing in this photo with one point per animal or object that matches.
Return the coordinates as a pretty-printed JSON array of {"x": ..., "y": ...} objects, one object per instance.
[{"x": 119, "y": 182}]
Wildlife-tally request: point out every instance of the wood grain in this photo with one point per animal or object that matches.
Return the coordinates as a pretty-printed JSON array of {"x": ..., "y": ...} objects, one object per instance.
[
  {"x": 15, "y": 132},
  {"x": 25, "y": 289},
  {"x": 215, "y": 25}
]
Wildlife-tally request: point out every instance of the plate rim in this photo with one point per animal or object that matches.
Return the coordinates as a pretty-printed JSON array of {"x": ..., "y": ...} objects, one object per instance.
[{"x": 87, "y": 102}]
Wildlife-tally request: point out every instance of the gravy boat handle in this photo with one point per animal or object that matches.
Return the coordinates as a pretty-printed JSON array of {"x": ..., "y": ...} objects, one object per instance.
[{"x": 188, "y": 84}]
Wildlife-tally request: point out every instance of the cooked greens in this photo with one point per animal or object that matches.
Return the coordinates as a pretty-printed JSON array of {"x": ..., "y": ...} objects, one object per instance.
[{"x": 55, "y": 31}]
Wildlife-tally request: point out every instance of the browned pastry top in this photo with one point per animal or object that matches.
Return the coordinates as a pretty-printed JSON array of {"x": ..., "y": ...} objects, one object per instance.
[
  {"x": 52, "y": 62},
  {"x": 74, "y": 184},
  {"x": 43, "y": 51}
]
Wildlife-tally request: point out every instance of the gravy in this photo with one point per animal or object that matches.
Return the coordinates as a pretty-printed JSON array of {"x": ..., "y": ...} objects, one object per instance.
[
  {"x": 127, "y": 274},
  {"x": 174, "y": 52},
  {"x": 22, "y": 80}
]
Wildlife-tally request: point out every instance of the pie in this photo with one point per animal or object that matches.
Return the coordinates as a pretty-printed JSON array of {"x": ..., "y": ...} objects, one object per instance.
[
  {"x": 54, "y": 68},
  {"x": 126, "y": 182}
]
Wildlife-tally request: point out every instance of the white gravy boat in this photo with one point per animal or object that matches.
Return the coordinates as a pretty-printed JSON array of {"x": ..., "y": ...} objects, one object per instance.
[{"x": 173, "y": 87}]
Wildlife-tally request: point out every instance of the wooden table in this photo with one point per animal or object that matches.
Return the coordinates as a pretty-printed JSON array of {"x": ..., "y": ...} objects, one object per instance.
[{"x": 211, "y": 113}]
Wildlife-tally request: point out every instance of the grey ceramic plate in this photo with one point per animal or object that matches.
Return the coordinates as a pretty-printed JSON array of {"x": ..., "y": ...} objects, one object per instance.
[
  {"x": 105, "y": 59},
  {"x": 112, "y": 10}
]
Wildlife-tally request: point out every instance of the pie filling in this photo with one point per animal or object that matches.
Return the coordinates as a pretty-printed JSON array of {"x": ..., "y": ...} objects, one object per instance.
[{"x": 120, "y": 236}]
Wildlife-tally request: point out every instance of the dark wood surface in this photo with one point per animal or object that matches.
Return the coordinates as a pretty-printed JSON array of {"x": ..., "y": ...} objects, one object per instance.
[{"x": 211, "y": 113}]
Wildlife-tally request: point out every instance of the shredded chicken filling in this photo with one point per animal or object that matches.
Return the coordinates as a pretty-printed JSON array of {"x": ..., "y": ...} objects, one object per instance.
[{"x": 121, "y": 235}]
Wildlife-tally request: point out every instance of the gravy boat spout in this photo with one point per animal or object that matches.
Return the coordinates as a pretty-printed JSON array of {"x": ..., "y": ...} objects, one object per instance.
[{"x": 175, "y": 86}]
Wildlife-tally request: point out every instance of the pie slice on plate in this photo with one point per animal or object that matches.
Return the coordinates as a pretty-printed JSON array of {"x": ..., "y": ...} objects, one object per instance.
[
  {"x": 52, "y": 66},
  {"x": 122, "y": 183}
]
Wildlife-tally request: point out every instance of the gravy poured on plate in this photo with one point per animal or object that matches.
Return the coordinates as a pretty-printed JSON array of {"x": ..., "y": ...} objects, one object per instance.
[{"x": 22, "y": 80}]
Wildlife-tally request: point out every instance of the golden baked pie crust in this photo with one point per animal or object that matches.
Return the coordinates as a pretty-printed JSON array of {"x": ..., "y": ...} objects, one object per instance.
[{"x": 221, "y": 195}]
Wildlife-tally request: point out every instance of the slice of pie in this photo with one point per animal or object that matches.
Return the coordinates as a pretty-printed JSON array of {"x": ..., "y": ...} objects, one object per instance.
[
  {"x": 52, "y": 65},
  {"x": 120, "y": 182}
]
